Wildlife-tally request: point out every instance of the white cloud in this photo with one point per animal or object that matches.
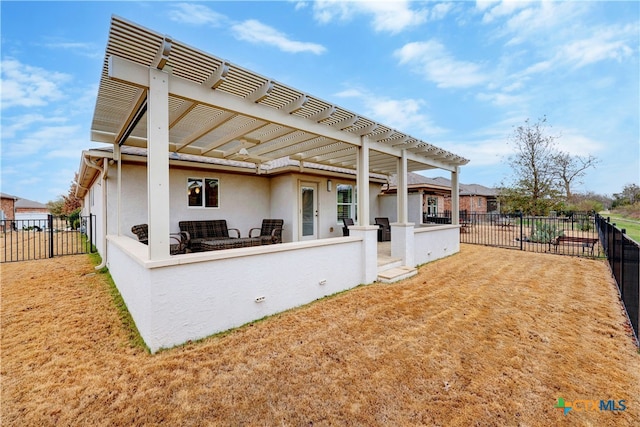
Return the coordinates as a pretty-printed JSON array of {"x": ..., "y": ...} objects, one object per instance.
[
  {"x": 43, "y": 139},
  {"x": 574, "y": 142},
  {"x": 256, "y": 32},
  {"x": 435, "y": 63},
  {"x": 251, "y": 30},
  {"x": 197, "y": 14},
  {"x": 27, "y": 86},
  {"x": 441, "y": 10},
  {"x": 88, "y": 50},
  {"x": 500, "y": 99},
  {"x": 496, "y": 10},
  {"x": 405, "y": 115},
  {"x": 12, "y": 125},
  {"x": 616, "y": 43},
  {"x": 387, "y": 16}
]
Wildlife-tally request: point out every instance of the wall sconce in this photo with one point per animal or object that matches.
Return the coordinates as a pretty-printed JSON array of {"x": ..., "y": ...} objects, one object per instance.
[{"x": 329, "y": 185}]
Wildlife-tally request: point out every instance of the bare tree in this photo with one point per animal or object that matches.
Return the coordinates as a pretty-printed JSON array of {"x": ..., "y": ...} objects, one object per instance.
[
  {"x": 568, "y": 169},
  {"x": 534, "y": 164}
]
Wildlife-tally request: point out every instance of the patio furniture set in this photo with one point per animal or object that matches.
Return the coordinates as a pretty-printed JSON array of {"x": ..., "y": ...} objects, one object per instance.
[
  {"x": 213, "y": 235},
  {"x": 384, "y": 228}
]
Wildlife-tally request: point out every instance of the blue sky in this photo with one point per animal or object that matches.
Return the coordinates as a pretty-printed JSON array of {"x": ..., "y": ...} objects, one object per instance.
[{"x": 459, "y": 75}]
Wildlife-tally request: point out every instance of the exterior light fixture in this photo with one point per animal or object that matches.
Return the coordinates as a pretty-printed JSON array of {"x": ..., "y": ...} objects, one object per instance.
[{"x": 329, "y": 185}]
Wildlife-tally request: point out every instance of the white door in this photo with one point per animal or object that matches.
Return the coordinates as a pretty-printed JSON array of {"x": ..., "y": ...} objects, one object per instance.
[{"x": 308, "y": 213}]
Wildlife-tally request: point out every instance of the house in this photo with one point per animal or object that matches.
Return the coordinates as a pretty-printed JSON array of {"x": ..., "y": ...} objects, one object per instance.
[
  {"x": 7, "y": 211},
  {"x": 7, "y": 207},
  {"x": 31, "y": 210},
  {"x": 190, "y": 136},
  {"x": 430, "y": 198},
  {"x": 28, "y": 212}
]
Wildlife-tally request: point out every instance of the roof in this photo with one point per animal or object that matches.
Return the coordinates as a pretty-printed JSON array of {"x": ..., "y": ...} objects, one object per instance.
[
  {"x": 8, "y": 196},
  {"x": 29, "y": 204},
  {"x": 220, "y": 110},
  {"x": 282, "y": 165},
  {"x": 415, "y": 180}
]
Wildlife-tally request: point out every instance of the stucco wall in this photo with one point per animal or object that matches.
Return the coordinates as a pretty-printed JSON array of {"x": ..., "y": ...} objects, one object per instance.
[
  {"x": 244, "y": 199},
  {"x": 172, "y": 304},
  {"x": 92, "y": 204},
  {"x": 435, "y": 242}
]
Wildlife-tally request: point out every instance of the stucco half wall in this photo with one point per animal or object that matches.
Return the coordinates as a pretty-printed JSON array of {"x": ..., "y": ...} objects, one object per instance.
[
  {"x": 435, "y": 242},
  {"x": 196, "y": 295}
]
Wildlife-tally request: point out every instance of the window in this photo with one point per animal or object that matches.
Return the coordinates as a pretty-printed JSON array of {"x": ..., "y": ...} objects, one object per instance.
[
  {"x": 203, "y": 192},
  {"x": 432, "y": 206},
  {"x": 346, "y": 202},
  {"x": 479, "y": 202}
]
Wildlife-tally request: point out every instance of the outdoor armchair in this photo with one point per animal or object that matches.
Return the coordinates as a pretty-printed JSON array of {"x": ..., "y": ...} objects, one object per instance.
[
  {"x": 347, "y": 222},
  {"x": 384, "y": 233},
  {"x": 179, "y": 241},
  {"x": 270, "y": 232}
]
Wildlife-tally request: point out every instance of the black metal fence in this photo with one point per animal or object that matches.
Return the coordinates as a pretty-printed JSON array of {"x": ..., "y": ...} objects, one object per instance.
[
  {"x": 623, "y": 255},
  {"x": 32, "y": 239},
  {"x": 574, "y": 234}
]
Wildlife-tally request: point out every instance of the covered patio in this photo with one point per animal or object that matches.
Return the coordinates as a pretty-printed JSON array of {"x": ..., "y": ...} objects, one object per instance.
[{"x": 177, "y": 102}]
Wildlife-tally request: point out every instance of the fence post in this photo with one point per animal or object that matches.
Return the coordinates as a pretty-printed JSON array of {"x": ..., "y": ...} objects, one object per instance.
[
  {"x": 91, "y": 217},
  {"x": 521, "y": 231},
  {"x": 50, "y": 221}
]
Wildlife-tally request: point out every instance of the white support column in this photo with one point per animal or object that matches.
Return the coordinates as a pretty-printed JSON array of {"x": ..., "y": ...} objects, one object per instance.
[
  {"x": 403, "y": 190},
  {"x": 455, "y": 197},
  {"x": 402, "y": 232},
  {"x": 362, "y": 182},
  {"x": 158, "y": 164},
  {"x": 369, "y": 234},
  {"x": 117, "y": 154}
]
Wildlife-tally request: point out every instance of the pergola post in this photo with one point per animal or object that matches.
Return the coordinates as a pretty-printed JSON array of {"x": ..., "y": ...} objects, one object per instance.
[
  {"x": 455, "y": 196},
  {"x": 158, "y": 164},
  {"x": 362, "y": 182},
  {"x": 117, "y": 154},
  {"x": 403, "y": 203},
  {"x": 402, "y": 233}
]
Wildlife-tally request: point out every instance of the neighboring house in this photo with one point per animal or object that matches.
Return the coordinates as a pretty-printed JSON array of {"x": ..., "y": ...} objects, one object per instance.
[
  {"x": 17, "y": 209},
  {"x": 430, "y": 198},
  {"x": 7, "y": 207},
  {"x": 193, "y": 137},
  {"x": 31, "y": 210}
]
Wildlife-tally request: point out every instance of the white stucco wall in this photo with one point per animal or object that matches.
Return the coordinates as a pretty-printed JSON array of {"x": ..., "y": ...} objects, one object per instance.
[
  {"x": 389, "y": 208},
  {"x": 244, "y": 199},
  {"x": 435, "y": 242},
  {"x": 92, "y": 204},
  {"x": 387, "y": 205},
  {"x": 196, "y": 295}
]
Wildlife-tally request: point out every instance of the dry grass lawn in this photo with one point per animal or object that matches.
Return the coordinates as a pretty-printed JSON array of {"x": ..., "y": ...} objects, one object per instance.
[{"x": 485, "y": 337}]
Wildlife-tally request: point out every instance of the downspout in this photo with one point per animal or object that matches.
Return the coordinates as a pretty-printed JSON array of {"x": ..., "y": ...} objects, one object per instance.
[{"x": 103, "y": 177}]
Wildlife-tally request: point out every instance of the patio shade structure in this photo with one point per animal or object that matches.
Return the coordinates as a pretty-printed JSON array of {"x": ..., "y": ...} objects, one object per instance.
[{"x": 161, "y": 94}]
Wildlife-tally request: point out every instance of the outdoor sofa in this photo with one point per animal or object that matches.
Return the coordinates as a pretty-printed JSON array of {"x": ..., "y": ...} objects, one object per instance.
[
  {"x": 210, "y": 230},
  {"x": 211, "y": 235}
]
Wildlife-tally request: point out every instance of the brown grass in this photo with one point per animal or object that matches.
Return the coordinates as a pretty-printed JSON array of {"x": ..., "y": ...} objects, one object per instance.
[{"x": 485, "y": 337}]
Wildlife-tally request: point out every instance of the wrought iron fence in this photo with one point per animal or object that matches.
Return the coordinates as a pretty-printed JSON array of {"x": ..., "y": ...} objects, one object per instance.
[
  {"x": 623, "y": 255},
  {"x": 574, "y": 234},
  {"x": 32, "y": 239}
]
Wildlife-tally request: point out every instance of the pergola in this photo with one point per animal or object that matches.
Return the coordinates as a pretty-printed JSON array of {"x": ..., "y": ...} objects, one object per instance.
[{"x": 166, "y": 96}]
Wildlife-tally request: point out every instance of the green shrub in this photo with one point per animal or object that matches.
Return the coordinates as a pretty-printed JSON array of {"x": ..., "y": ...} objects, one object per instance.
[{"x": 544, "y": 232}]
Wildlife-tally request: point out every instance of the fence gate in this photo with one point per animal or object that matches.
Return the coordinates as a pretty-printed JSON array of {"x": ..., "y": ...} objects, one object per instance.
[{"x": 32, "y": 239}]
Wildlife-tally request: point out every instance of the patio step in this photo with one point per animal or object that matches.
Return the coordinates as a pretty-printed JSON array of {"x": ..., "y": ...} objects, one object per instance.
[
  {"x": 388, "y": 264},
  {"x": 397, "y": 273}
]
